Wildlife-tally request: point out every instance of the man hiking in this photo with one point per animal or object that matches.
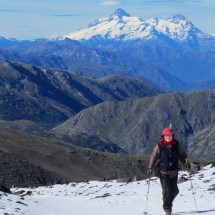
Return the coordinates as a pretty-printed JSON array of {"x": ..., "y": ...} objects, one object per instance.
[{"x": 166, "y": 155}]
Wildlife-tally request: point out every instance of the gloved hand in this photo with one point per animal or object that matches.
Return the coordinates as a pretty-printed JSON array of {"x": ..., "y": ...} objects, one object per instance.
[
  {"x": 187, "y": 165},
  {"x": 149, "y": 171}
]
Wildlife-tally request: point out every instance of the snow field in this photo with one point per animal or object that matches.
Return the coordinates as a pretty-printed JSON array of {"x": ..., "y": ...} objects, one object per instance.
[{"x": 105, "y": 198}]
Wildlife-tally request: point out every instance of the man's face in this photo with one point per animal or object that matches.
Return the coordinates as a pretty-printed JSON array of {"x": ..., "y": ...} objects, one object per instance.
[{"x": 168, "y": 137}]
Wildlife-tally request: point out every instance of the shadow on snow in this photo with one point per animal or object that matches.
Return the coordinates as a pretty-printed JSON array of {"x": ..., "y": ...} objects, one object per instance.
[{"x": 194, "y": 212}]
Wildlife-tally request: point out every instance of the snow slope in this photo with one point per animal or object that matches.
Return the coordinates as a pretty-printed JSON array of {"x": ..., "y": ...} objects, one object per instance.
[
  {"x": 105, "y": 198},
  {"x": 121, "y": 26}
]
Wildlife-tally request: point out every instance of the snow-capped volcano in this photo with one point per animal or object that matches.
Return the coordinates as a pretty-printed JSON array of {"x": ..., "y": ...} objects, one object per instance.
[{"x": 123, "y": 27}]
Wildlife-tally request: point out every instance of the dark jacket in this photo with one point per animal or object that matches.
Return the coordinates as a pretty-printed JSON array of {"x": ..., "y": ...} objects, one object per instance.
[{"x": 163, "y": 155}]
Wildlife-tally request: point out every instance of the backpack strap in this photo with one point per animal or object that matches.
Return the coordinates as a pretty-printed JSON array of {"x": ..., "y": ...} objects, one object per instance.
[
  {"x": 160, "y": 144},
  {"x": 156, "y": 171}
]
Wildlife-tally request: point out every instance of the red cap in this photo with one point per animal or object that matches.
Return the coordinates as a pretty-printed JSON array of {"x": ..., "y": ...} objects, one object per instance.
[{"x": 167, "y": 131}]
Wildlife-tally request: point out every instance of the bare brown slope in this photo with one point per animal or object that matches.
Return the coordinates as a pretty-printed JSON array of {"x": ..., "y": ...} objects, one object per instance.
[
  {"x": 59, "y": 161},
  {"x": 51, "y": 96},
  {"x": 137, "y": 124}
]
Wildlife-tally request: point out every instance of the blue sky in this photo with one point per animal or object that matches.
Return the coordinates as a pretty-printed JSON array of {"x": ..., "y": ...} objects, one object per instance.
[{"x": 29, "y": 19}]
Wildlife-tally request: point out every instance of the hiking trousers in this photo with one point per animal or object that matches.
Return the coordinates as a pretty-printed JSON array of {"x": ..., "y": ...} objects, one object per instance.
[{"x": 169, "y": 189}]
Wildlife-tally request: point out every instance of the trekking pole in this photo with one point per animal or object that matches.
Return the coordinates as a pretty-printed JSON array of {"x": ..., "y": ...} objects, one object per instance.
[
  {"x": 192, "y": 189},
  {"x": 147, "y": 196}
]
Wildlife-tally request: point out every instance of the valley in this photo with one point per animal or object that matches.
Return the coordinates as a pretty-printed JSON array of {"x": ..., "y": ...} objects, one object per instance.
[{"x": 86, "y": 109}]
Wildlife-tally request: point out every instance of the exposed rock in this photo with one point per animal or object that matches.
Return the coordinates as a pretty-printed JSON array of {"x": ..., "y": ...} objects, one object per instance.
[
  {"x": 212, "y": 188},
  {"x": 182, "y": 179},
  {"x": 5, "y": 189},
  {"x": 124, "y": 180},
  {"x": 19, "y": 192},
  {"x": 19, "y": 202},
  {"x": 103, "y": 196}
]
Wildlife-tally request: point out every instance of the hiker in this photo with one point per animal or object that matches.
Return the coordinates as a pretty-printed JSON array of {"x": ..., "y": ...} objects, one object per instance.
[{"x": 165, "y": 157}]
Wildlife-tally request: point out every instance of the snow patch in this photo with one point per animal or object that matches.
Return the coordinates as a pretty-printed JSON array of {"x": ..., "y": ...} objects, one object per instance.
[
  {"x": 121, "y": 26},
  {"x": 114, "y": 198}
]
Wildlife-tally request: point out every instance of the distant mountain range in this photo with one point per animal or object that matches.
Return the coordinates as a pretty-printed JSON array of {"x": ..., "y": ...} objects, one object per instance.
[
  {"x": 115, "y": 113},
  {"x": 171, "y": 53},
  {"x": 121, "y": 28},
  {"x": 50, "y": 96},
  {"x": 70, "y": 55}
]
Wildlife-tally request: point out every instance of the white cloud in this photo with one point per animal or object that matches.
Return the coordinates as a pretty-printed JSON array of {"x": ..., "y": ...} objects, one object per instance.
[{"x": 110, "y": 3}]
